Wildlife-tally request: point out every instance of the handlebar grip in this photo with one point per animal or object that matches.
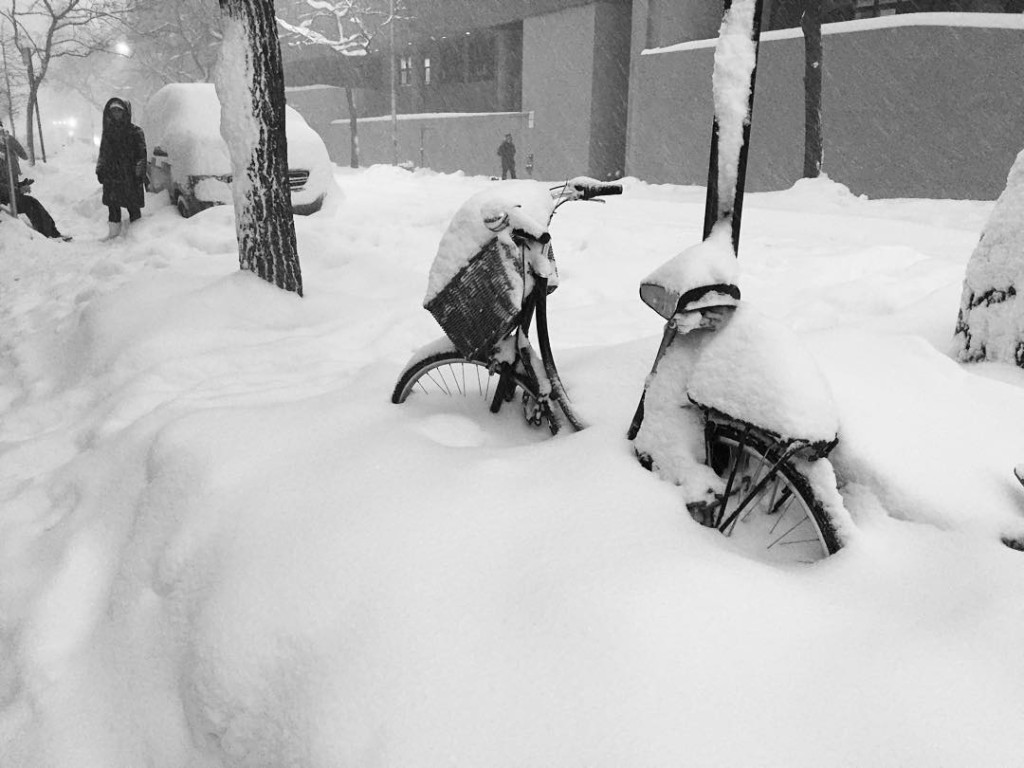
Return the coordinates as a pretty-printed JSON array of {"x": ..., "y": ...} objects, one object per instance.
[
  {"x": 602, "y": 189},
  {"x": 588, "y": 188}
]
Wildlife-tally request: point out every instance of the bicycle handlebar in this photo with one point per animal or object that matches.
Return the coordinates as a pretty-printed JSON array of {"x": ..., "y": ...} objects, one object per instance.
[
  {"x": 599, "y": 189},
  {"x": 586, "y": 188}
]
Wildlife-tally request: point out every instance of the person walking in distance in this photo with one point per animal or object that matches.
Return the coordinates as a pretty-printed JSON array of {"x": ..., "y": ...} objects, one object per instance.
[
  {"x": 10, "y": 172},
  {"x": 121, "y": 167},
  {"x": 507, "y": 153}
]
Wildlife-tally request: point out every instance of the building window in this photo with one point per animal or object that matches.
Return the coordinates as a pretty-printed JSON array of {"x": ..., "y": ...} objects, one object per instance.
[
  {"x": 867, "y": 9},
  {"x": 480, "y": 51},
  {"x": 450, "y": 60},
  {"x": 405, "y": 70},
  {"x": 426, "y": 70}
]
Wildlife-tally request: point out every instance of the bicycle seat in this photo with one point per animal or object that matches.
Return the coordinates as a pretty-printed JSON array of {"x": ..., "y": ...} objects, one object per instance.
[
  {"x": 703, "y": 275},
  {"x": 667, "y": 302}
]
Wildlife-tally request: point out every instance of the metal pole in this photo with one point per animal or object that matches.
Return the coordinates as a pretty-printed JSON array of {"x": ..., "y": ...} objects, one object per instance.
[
  {"x": 39, "y": 125},
  {"x": 394, "y": 88},
  {"x": 713, "y": 205}
]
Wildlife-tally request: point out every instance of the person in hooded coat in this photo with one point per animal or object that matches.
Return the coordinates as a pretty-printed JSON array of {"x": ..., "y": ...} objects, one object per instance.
[{"x": 121, "y": 167}]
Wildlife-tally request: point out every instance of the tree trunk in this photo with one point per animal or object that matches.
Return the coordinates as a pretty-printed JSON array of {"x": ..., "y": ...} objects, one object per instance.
[
  {"x": 810, "y": 23},
  {"x": 250, "y": 84},
  {"x": 353, "y": 128},
  {"x": 7, "y": 84}
]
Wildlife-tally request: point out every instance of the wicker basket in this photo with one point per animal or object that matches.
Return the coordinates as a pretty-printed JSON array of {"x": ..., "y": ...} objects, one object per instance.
[{"x": 482, "y": 303}]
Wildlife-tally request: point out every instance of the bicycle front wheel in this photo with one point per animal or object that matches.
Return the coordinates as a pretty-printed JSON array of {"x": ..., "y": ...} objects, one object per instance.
[
  {"x": 449, "y": 377},
  {"x": 769, "y": 510}
]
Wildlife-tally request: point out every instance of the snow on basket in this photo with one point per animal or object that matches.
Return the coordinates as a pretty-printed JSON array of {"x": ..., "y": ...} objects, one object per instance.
[{"x": 478, "y": 279}]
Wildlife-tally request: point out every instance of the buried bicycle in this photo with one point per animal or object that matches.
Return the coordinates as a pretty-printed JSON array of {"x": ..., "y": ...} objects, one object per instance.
[
  {"x": 760, "y": 475},
  {"x": 733, "y": 412}
]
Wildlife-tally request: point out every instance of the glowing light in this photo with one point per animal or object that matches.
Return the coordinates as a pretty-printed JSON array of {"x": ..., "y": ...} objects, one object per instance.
[{"x": 122, "y": 49}]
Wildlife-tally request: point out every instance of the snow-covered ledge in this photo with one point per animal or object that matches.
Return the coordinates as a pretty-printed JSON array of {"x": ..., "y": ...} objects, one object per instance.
[{"x": 972, "y": 20}]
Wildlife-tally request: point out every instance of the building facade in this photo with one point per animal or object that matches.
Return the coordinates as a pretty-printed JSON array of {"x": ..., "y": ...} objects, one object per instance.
[
  {"x": 914, "y": 104},
  {"x": 924, "y": 103},
  {"x": 555, "y": 73}
]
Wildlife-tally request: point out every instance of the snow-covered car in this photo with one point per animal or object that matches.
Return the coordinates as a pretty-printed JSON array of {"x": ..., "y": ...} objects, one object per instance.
[{"x": 189, "y": 158}]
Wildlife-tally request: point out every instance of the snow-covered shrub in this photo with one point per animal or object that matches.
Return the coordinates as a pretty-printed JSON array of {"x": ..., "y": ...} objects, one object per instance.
[{"x": 990, "y": 324}]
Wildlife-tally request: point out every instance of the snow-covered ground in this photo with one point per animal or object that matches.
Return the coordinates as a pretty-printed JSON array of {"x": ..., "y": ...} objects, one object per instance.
[{"x": 222, "y": 545}]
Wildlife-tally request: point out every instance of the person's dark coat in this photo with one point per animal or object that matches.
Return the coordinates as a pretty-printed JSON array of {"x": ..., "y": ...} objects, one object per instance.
[
  {"x": 507, "y": 153},
  {"x": 121, "y": 167},
  {"x": 11, "y": 153}
]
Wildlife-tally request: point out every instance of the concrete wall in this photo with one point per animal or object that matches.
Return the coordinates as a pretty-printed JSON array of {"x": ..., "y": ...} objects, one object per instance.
[
  {"x": 609, "y": 91},
  {"x": 558, "y": 67},
  {"x": 466, "y": 142},
  {"x": 668, "y": 22},
  {"x": 321, "y": 104},
  {"x": 914, "y": 109}
]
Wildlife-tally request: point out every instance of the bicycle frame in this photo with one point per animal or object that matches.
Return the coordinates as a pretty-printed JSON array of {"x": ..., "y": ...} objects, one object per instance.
[{"x": 548, "y": 382}]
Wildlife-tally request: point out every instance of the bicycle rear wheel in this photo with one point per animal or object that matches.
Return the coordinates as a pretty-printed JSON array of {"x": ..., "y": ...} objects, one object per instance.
[
  {"x": 449, "y": 375},
  {"x": 778, "y": 519}
]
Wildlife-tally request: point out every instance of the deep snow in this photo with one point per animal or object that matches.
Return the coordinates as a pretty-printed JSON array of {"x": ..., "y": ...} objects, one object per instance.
[{"x": 222, "y": 545}]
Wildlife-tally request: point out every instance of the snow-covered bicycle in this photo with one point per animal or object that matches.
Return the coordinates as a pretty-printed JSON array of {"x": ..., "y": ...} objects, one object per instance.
[
  {"x": 733, "y": 412},
  {"x": 722, "y": 373},
  {"x": 494, "y": 270}
]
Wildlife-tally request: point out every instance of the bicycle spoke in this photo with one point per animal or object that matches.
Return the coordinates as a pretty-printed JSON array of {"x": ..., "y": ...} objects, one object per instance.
[
  {"x": 439, "y": 381},
  {"x": 762, "y": 511},
  {"x": 789, "y": 531},
  {"x": 465, "y": 379},
  {"x": 753, "y": 482},
  {"x": 729, "y": 483},
  {"x": 787, "y": 497}
]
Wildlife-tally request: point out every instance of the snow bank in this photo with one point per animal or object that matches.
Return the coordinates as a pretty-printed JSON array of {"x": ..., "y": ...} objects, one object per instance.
[{"x": 222, "y": 545}]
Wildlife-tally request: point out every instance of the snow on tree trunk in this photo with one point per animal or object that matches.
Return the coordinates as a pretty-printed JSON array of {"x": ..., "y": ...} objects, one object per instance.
[
  {"x": 250, "y": 85},
  {"x": 990, "y": 325}
]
